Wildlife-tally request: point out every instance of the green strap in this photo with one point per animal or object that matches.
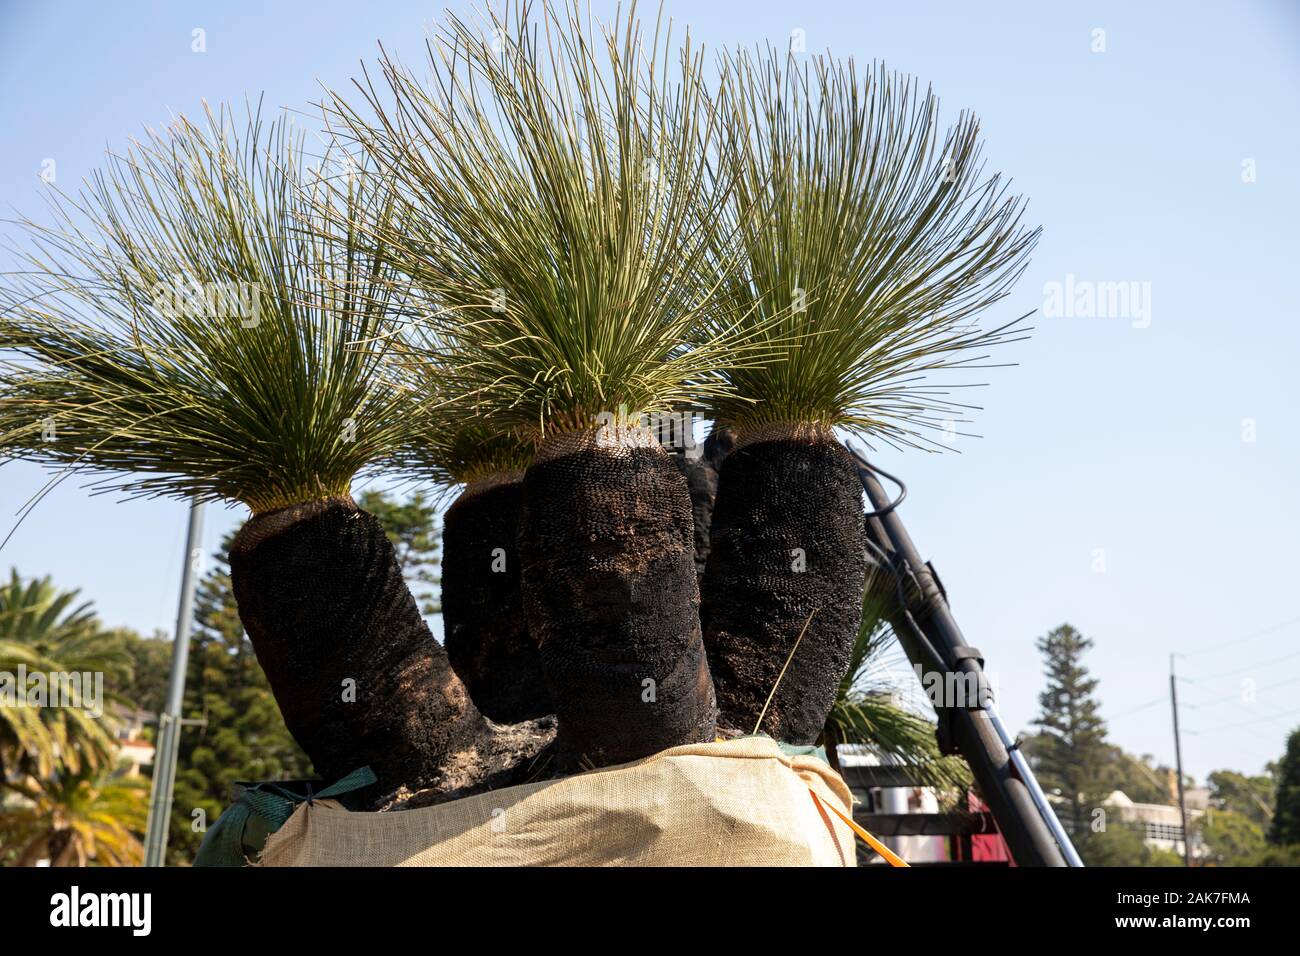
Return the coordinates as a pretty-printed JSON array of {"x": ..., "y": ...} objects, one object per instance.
[
  {"x": 804, "y": 750},
  {"x": 267, "y": 805},
  {"x": 794, "y": 750}
]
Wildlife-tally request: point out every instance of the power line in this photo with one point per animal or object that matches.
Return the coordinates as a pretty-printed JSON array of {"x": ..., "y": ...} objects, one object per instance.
[
  {"x": 1236, "y": 698},
  {"x": 1241, "y": 670},
  {"x": 1248, "y": 723},
  {"x": 1219, "y": 646},
  {"x": 1213, "y": 701},
  {"x": 1133, "y": 710}
]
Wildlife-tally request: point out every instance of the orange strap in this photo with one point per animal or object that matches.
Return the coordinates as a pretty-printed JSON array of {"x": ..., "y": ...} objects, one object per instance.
[{"x": 892, "y": 858}]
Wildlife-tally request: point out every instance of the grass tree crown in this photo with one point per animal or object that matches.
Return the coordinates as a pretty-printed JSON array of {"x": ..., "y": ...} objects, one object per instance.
[
  {"x": 453, "y": 444},
  {"x": 556, "y": 197},
  {"x": 872, "y": 240},
  {"x": 183, "y": 327},
  {"x": 463, "y": 454}
]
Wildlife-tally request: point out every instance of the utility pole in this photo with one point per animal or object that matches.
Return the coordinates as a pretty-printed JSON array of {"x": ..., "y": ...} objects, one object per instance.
[
  {"x": 169, "y": 721},
  {"x": 1178, "y": 759}
]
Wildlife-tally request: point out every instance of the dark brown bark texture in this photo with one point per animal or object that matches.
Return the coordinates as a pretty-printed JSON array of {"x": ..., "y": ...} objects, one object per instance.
[
  {"x": 323, "y": 601},
  {"x": 486, "y": 633},
  {"x": 787, "y": 539},
  {"x": 702, "y": 482},
  {"x": 610, "y": 590}
]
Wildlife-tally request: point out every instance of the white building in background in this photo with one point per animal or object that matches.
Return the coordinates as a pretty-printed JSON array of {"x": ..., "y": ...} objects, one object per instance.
[
  {"x": 132, "y": 747},
  {"x": 1163, "y": 822}
]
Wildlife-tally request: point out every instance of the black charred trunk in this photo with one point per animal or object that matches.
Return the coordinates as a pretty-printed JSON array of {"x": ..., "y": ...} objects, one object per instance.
[
  {"x": 323, "y": 601},
  {"x": 485, "y": 631},
  {"x": 787, "y": 539},
  {"x": 701, "y": 475},
  {"x": 610, "y": 590}
]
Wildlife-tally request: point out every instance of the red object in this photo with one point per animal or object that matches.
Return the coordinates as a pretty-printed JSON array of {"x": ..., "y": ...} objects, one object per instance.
[{"x": 979, "y": 847}]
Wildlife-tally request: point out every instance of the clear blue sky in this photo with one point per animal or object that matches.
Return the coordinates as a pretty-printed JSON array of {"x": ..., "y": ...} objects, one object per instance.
[{"x": 1108, "y": 435}]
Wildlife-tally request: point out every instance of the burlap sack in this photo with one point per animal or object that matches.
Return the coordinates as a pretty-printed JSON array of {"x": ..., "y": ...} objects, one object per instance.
[{"x": 732, "y": 803}]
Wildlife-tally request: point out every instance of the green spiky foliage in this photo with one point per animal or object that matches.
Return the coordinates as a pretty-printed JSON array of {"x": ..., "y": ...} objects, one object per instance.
[
  {"x": 480, "y": 465},
  {"x": 453, "y": 446},
  {"x": 183, "y": 328},
  {"x": 463, "y": 453},
  {"x": 869, "y": 716},
  {"x": 880, "y": 240},
  {"x": 556, "y": 199},
  {"x": 265, "y": 387},
  {"x": 873, "y": 241}
]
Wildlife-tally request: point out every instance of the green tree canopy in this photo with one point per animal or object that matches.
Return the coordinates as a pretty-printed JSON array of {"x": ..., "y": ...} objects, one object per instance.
[
  {"x": 43, "y": 630},
  {"x": 150, "y": 667},
  {"x": 74, "y": 818},
  {"x": 1072, "y": 752},
  {"x": 1229, "y": 838},
  {"x": 412, "y": 527},
  {"x": 1286, "y": 817},
  {"x": 1252, "y": 797},
  {"x": 1123, "y": 844}
]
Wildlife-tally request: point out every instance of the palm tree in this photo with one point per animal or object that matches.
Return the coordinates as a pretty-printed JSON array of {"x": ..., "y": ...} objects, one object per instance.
[
  {"x": 43, "y": 630},
  {"x": 869, "y": 717},
  {"x": 554, "y": 200},
  {"x": 78, "y": 818},
  {"x": 190, "y": 328},
  {"x": 872, "y": 242}
]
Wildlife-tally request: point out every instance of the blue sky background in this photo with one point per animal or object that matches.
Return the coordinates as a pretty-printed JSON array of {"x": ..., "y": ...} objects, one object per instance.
[{"x": 1106, "y": 436}]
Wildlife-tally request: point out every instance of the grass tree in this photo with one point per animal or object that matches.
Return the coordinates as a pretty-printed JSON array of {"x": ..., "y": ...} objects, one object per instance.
[
  {"x": 552, "y": 179},
  {"x": 485, "y": 630},
  {"x": 185, "y": 329},
  {"x": 873, "y": 240},
  {"x": 412, "y": 527}
]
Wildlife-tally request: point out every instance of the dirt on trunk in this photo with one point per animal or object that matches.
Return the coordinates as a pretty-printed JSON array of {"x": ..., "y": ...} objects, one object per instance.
[
  {"x": 359, "y": 679},
  {"x": 787, "y": 538},
  {"x": 610, "y": 590},
  {"x": 486, "y": 633}
]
